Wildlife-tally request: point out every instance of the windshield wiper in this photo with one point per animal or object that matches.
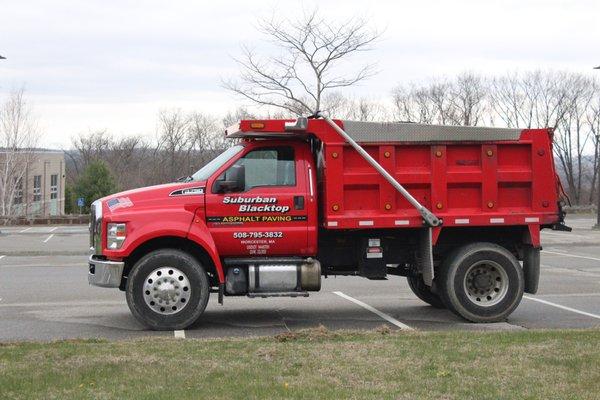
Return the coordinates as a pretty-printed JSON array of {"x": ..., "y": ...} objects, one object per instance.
[{"x": 186, "y": 178}]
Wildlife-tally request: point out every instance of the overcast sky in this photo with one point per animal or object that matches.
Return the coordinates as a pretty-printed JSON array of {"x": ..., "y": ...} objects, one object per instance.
[{"x": 112, "y": 65}]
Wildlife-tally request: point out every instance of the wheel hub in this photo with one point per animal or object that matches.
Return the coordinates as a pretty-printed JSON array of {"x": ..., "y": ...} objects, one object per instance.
[
  {"x": 483, "y": 282},
  {"x": 166, "y": 290},
  {"x": 486, "y": 283}
]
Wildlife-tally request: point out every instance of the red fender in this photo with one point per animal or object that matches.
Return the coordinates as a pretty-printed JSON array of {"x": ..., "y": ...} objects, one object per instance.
[
  {"x": 142, "y": 229},
  {"x": 199, "y": 233},
  {"x": 182, "y": 223}
]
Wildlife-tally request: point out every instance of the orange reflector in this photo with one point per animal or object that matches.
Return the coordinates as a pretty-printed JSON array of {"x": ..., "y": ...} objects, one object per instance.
[{"x": 257, "y": 125}]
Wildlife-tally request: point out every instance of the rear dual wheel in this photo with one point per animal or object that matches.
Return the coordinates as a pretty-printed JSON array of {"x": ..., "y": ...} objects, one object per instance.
[
  {"x": 424, "y": 292},
  {"x": 481, "y": 282}
]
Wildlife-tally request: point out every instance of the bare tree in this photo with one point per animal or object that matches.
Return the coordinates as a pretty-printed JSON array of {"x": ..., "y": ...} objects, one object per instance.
[
  {"x": 560, "y": 100},
  {"x": 448, "y": 102},
  {"x": 204, "y": 131},
  {"x": 571, "y": 141},
  {"x": 412, "y": 104},
  {"x": 185, "y": 142},
  {"x": 512, "y": 100},
  {"x": 19, "y": 135},
  {"x": 535, "y": 99},
  {"x": 361, "y": 109},
  {"x": 236, "y": 115},
  {"x": 130, "y": 159},
  {"x": 311, "y": 52},
  {"x": 206, "y": 136},
  {"x": 174, "y": 145},
  {"x": 89, "y": 147},
  {"x": 468, "y": 99},
  {"x": 593, "y": 120}
]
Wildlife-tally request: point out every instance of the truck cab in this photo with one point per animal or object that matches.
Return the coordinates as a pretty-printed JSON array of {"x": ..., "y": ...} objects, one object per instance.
[
  {"x": 262, "y": 202},
  {"x": 292, "y": 202}
]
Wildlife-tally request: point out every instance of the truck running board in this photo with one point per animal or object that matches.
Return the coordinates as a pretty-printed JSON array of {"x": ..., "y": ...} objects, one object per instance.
[{"x": 279, "y": 294}]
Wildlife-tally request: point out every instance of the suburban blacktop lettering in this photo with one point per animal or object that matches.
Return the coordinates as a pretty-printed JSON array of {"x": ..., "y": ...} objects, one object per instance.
[
  {"x": 249, "y": 200},
  {"x": 264, "y": 204}
]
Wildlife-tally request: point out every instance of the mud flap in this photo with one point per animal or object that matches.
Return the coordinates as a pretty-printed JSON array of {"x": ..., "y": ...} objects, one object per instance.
[
  {"x": 426, "y": 256},
  {"x": 531, "y": 269}
]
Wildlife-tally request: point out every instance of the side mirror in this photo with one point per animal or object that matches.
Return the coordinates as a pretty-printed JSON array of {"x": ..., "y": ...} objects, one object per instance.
[{"x": 234, "y": 181}]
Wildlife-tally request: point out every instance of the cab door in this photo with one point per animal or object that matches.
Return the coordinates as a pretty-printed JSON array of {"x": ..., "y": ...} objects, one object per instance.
[{"x": 268, "y": 215}]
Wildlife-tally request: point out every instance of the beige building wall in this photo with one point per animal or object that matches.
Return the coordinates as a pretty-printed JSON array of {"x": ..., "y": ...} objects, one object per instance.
[{"x": 43, "y": 185}]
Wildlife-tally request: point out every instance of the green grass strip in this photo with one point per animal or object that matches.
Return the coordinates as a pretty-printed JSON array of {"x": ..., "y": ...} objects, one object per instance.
[{"x": 312, "y": 364}]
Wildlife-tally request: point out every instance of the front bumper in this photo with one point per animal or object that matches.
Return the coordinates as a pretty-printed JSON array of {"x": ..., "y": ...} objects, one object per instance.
[{"x": 105, "y": 273}]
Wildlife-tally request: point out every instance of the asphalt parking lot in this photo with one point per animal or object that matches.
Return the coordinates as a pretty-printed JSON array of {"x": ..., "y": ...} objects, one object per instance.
[{"x": 44, "y": 295}]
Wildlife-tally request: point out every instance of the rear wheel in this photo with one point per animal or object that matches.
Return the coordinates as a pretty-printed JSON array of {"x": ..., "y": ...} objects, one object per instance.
[
  {"x": 423, "y": 292},
  {"x": 167, "y": 290},
  {"x": 481, "y": 282}
]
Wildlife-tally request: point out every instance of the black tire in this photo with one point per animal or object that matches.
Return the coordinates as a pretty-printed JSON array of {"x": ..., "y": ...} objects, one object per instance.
[
  {"x": 424, "y": 292},
  {"x": 191, "y": 303},
  {"x": 481, "y": 282}
]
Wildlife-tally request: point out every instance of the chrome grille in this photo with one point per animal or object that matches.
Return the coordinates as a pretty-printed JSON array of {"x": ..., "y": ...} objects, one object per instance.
[
  {"x": 96, "y": 227},
  {"x": 92, "y": 225}
]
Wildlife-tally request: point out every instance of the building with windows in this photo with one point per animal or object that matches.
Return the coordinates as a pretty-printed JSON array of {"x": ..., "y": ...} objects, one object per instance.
[{"x": 38, "y": 184}]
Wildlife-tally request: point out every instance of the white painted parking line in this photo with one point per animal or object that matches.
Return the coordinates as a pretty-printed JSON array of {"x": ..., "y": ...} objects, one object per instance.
[
  {"x": 53, "y": 229},
  {"x": 570, "y": 271},
  {"x": 25, "y": 230},
  {"x": 563, "y": 307},
  {"x": 64, "y": 304},
  {"x": 48, "y": 238},
  {"x": 388, "y": 318},
  {"x": 570, "y": 255},
  {"x": 569, "y": 295},
  {"x": 78, "y": 265},
  {"x": 565, "y": 235},
  {"x": 179, "y": 334}
]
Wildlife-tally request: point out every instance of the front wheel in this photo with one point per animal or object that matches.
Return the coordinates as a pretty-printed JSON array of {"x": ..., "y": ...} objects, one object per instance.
[
  {"x": 481, "y": 282},
  {"x": 167, "y": 290}
]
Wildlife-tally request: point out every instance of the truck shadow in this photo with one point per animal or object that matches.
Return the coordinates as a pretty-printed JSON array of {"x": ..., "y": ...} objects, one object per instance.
[{"x": 265, "y": 321}]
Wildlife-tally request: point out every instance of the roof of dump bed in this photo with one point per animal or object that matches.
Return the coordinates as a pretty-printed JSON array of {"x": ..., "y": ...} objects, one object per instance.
[
  {"x": 410, "y": 132},
  {"x": 374, "y": 132}
]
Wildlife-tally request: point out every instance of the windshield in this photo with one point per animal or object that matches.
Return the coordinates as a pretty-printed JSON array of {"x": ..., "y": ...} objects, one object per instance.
[{"x": 205, "y": 172}]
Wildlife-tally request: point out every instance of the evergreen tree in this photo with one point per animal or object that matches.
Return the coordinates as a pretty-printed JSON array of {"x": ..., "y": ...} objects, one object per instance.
[{"x": 95, "y": 182}]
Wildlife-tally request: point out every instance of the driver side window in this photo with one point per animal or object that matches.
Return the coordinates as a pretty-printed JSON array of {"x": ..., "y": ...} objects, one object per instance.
[{"x": 269, "y": 166}]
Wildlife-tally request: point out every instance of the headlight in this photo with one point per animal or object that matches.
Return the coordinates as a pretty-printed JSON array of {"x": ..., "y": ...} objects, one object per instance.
[{"x": 115, "y": 236}]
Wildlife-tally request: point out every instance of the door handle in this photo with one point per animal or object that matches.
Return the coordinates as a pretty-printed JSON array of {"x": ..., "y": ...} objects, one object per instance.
[{"x": 298, "y": 202}]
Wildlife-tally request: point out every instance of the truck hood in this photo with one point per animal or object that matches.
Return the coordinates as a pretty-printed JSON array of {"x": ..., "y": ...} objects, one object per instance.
[{"x": 160, "y": 196}]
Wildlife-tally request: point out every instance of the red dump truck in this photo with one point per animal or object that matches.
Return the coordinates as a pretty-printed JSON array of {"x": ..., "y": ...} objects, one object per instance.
[{"x": 457, "y": 210}]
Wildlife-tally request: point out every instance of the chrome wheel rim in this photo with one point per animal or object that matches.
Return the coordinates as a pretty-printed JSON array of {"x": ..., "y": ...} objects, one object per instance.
[
  {"x": 167, "y": 290},
  {"x": 486, "y": 283}
]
